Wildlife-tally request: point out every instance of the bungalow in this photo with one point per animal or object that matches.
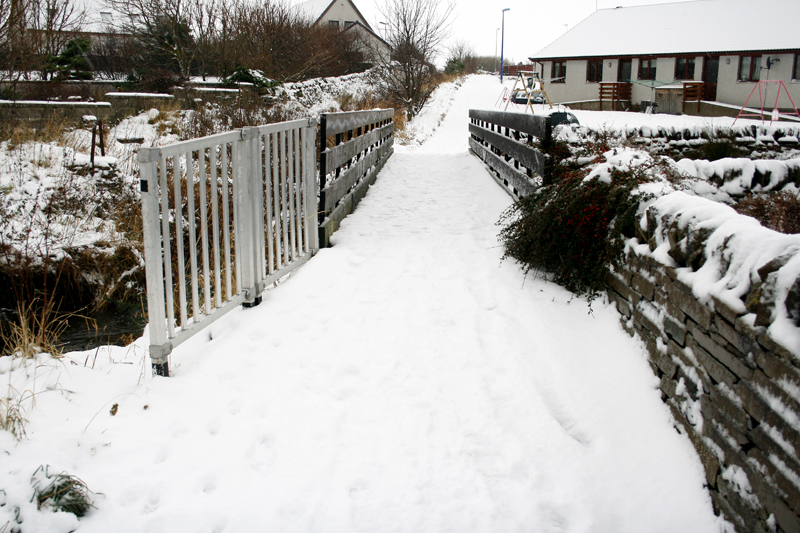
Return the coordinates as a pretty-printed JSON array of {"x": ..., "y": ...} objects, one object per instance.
[
  {"x": 345, "y": 16},
  {"x": 710, "y": 52}
]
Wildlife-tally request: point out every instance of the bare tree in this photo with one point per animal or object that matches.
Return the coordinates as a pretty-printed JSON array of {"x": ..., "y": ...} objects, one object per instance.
[
  {"x": 57, "y": 22},
  {"x": 16, "y": 49},
  {"x": 463, "y": 52},
  {"x": 416, "y": 30},
  {"x": 163, "y": 27}
]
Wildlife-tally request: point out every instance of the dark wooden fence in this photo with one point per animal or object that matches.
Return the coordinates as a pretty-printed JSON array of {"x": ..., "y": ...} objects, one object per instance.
[
  {"x": 353, "y": 148},
  {"x": 507, "y": 143}
]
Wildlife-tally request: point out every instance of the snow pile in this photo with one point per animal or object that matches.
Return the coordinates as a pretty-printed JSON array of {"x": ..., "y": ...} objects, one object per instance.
[
  {"x": 718, "y": 252},
  {"x": 325, "y": 95},
  {"x": 737, "y": 177}
]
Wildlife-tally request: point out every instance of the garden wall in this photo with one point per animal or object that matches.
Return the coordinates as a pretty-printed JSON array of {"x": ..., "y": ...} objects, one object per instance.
[
  {"x": 709, "y": 312},
  {"x": 39, "y": 113}
]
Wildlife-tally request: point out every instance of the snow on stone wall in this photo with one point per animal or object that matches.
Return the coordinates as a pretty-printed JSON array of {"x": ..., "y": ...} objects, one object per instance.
[{"x": 716, "y": 298}]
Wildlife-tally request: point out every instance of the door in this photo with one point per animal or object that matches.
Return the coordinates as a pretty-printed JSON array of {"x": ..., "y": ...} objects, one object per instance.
[
  {"x": 710, "y": 73},
  {"x": 624, "y": 72}
]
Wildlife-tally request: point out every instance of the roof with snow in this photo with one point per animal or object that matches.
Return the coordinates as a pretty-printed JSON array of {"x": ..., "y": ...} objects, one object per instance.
[{"x": 680, "y": 28}]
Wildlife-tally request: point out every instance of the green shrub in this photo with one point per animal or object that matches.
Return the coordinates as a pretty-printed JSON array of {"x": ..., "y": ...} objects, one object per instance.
[
  {"x": 571, "y": 231},
  {"x": 61, "y": 492}
]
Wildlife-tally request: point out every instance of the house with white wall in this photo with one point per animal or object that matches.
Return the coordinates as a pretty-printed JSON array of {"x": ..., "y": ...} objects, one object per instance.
[
  {"x": 343, "y": 15},
  {"x": 723, "y": 47}
]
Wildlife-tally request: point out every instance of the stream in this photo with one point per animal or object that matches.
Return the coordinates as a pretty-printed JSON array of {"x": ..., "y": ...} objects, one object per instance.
[{"x": 120, "y": 327}]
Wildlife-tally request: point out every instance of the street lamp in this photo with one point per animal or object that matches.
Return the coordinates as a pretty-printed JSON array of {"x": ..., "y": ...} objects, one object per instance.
[
  {"x": 495, "y": 47},
  {"x": 384, "y": 28},
  {"x": 502, "y": 42}
]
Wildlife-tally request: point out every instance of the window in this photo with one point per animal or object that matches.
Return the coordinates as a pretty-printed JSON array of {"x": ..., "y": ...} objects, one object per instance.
[
  {"x": 594, "y": 70},
  {"x": 558, "y": 72},
  {"x": 684, "y": 68},
  {"x": 647, "y": 68},
  {"x": 106, "y": 17},
  {"x": 749, "y": 68},
  {"x": 348, "y": 23},
  {"x": 333, "y": 24},
  {"x": 796, "y": 70}
]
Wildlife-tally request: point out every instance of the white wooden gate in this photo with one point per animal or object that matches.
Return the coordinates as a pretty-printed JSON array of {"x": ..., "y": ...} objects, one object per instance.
[{"x": 224, "y": 216}]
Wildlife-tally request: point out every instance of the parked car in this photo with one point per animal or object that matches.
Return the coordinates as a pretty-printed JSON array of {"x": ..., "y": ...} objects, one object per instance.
[{"x": 563, "y": 117}]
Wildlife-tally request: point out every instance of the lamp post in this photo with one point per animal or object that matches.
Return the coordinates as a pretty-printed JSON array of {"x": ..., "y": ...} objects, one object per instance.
[
  {"x": 495, "y": 47},
  {"x": 502, "y": 42}
]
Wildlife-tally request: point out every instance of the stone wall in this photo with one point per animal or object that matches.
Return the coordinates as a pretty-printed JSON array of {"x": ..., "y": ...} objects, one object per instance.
[
  {"x": 39, "y": 113},
  {"x": 730, "y": 386}
]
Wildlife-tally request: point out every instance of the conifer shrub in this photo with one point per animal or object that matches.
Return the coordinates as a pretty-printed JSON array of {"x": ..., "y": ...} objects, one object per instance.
[{"x": 570, "y": 230}]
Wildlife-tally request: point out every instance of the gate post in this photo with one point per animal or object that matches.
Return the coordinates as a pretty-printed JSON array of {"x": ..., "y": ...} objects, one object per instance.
[
  {"x": 160, "y": 348},
  {"x": 310, "y": 182},
  {"x": 244, "y": 230}
]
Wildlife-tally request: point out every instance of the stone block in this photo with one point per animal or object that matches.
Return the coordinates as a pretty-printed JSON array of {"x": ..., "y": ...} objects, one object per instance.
[
  {"x": 777, "y": 368},
  {"x": 768, "y": 343},
  {"x": 622, "y": 304},
  {"x": 689, "y": 305},
  {"x": 722, "y": 507},
  {"x": 752, "y": 515},
  {"x": 643, "y": 286},
  {"x": 668, "y": 386},
  {"x": 642, "y": 319},
  {"x": 626, "y": 292},
  {"x": 664, "y": 363},
  {"x": 762, "y": 412},
  {"x": 723, "y": 409},
  {"x": 743, "y": 343},
  {"x": 715, "y": 369},
  {"x": 639, "y": 263},
  {"x": 630, "y": 330},
  {"x": 676, "y": 352},
  {"x": 725, "y": 310},
  {"x": 662, "y": 280},
  {"x": 765, "y": 445},
  {"x": 789, "y": 401},
  {"x": 788, "y": 521},
  {"x": 675, "y": 330},
  {"x": 660, "y": 296},
  {"x": 739, "y": 366}
]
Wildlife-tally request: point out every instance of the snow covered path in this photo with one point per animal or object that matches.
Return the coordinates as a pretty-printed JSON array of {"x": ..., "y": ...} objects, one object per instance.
[{"x": 404, "y": 380}]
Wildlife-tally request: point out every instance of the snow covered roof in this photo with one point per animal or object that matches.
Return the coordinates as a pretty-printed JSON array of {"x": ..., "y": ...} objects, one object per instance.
[{"x": 681, "y": 27}]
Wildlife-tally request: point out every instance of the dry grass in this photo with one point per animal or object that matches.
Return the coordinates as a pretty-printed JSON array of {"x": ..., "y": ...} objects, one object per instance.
[
  {"x": 36, "y": 331},
  {"x": 20, "y": 132},
  {"x": 11, "y": 418}
]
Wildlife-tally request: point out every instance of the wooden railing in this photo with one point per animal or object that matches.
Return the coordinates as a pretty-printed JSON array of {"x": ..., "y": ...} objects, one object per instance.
[
  {"x": 506, "y": 143},
  {"x": 615, "y": 92},
  {"x": 362, "y": 143},
  {"x": 692, "y": 92}
]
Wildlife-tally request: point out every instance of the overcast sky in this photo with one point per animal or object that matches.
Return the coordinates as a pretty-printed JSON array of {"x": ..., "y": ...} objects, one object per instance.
[{"x": 530, "y": 25}]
